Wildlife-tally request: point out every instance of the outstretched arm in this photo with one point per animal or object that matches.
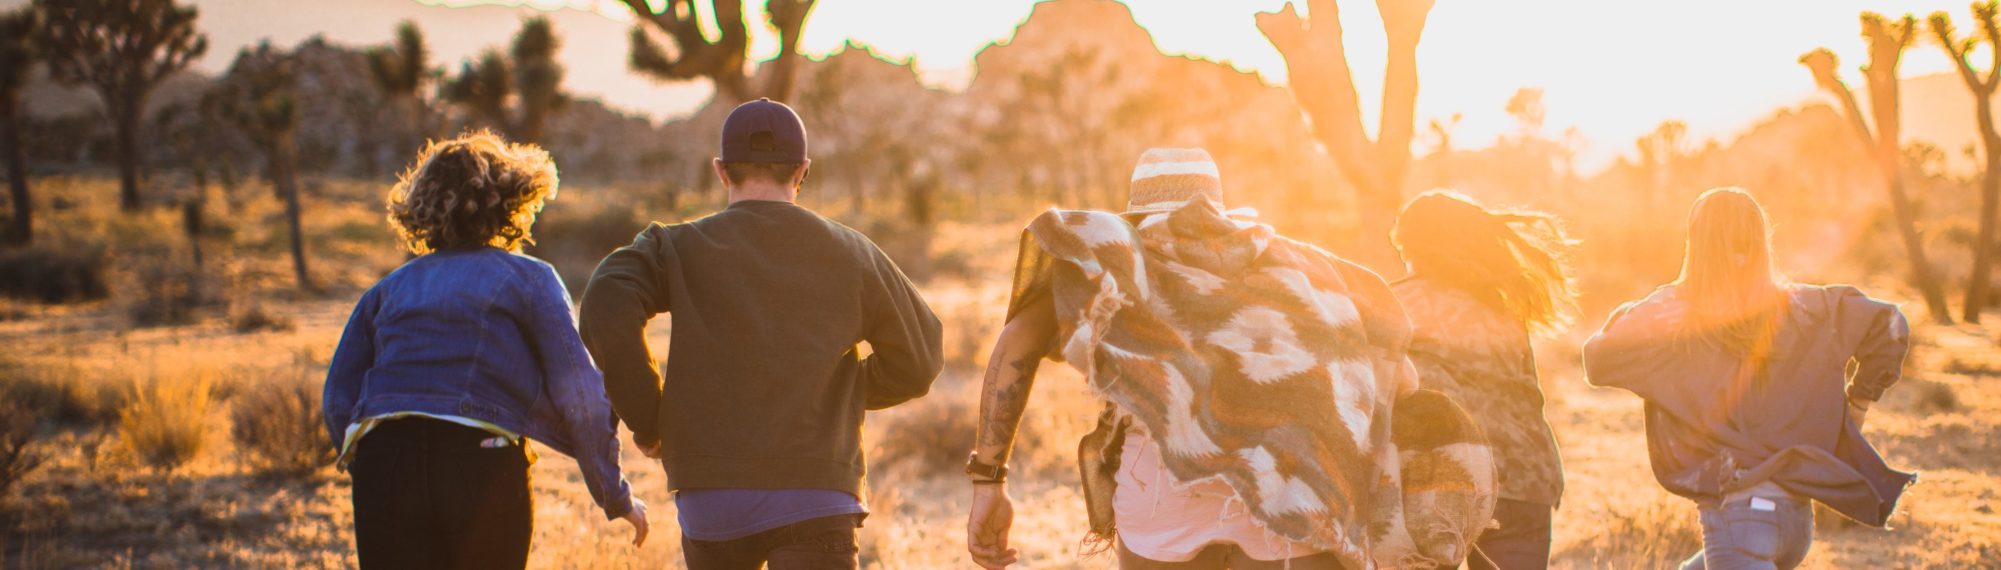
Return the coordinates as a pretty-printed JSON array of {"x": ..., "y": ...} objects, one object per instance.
[
  {"x": 1010, "y": 375},
  {"x": 627, "y": 290},
  {"x": 1003, "y": 399}
]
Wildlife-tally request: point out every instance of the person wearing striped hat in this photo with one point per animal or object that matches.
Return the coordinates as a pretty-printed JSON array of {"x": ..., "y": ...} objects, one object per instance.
[{"x": 1249, "y": 380}]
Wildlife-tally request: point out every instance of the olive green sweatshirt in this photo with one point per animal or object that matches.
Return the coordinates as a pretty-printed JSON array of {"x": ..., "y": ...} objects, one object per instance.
[{"x": 764, "y": 385}]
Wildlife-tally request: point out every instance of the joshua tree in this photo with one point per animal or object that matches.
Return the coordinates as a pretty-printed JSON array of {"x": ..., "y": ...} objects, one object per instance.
[
  {"x": 1321, "y": 81},
  {"x": 530, "y": 79},
  {"x": 1983, "y": 113},
  {"x": 122, "y": 49},
  {"x": 1887, "y": 40},
  {"x": 1527, "y": 109},
  {"x": 260, "y": 96},
  {"x": 17, "y": 54},
  {"x": 722, "y": 59},
  {"x": 401, "y": 71}
]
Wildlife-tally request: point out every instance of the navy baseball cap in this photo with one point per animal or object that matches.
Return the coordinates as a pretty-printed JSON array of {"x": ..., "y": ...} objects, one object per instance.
[{"x": 764, "y": 131}]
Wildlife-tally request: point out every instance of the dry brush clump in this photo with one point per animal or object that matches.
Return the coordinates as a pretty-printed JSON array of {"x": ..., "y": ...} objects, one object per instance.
[
  {"x": 20, "y": 429},
  {"x": 277, "y": 427},
  {"x": 1653, "y": 534},
  {"x": 166, "y": 424}
]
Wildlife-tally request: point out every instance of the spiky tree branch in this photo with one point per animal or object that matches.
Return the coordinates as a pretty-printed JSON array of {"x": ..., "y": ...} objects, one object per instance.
[
  {"x": 527, "y": 80},
  {"x": 1887, "y": 41},
  {"x": 122, "y": 49},
  {"x": 1983, "y": 104},
  {"x": 400, "y": 71},
  {"x": 721, "y": 60},
  {"x": 1323, "y": 83}
]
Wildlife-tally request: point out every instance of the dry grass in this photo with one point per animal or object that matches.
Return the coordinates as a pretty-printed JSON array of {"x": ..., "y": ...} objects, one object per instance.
[
  {"x": 91, "y": 504},
  {"x": 166, "y": 423},
  {"x": 277, "y": 427}
]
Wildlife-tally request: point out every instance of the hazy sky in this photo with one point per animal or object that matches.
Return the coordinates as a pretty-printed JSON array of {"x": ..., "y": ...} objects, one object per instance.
[{"x": 1613, "y": 68}]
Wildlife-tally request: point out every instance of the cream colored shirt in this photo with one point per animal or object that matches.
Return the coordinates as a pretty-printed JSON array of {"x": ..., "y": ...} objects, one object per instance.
[
  {"x": 1169, "y": 521},
  {"x": 361, "y": 427}
]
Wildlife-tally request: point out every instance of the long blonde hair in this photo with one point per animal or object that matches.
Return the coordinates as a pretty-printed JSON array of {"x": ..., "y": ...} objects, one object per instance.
[
  {"x": 1513, "y": 261},
  {"x": 1728, "y": 281}
]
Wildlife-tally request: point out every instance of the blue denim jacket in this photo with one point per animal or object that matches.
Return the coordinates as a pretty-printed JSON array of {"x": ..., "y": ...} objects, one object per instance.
[{"x": 483, "y": 334}]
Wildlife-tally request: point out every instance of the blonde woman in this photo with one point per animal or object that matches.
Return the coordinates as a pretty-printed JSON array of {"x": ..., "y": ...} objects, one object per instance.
[
  {"x": 1482, "y": 283},
  {"x": 454, "y": 360},
  {"x": 1749, "y": 410}
]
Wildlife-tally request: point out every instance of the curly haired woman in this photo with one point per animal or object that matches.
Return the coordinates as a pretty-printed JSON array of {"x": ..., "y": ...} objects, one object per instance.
[
  {"x": 452, "y": 362},
  {"x": 1481, "y": 283}
]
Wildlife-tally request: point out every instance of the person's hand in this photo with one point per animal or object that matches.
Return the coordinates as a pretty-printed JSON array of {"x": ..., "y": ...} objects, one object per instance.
[
  {"x": 637, "y": 518},
  {"x": 987, "y": 527},
  {"x": 1858, "y": 409}
]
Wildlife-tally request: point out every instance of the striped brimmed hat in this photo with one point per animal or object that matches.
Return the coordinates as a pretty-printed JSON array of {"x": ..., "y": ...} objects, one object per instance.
[{"x": 1168, "y": 178}]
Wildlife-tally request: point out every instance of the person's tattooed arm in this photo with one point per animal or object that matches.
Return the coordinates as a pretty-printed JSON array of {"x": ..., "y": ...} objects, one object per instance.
[{"x": 1010, "y": 376}]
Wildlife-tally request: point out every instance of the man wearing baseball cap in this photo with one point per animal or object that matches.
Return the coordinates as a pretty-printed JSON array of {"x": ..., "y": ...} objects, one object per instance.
[{"x": 757, "y": 415}]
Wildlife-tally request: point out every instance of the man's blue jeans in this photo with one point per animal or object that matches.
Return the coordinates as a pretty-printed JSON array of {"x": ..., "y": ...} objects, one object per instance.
[{"x": 1765, "y": 528}]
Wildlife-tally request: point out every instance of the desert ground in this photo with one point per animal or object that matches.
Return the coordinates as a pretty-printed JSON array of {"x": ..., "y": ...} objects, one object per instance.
[{"x": 146, "y": 405}]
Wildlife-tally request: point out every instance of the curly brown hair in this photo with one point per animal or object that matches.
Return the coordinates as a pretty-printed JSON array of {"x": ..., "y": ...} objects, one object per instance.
[{"x": 470, "y": 191}]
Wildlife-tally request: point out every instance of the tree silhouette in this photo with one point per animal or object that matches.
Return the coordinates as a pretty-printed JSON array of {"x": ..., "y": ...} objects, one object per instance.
[
  {"x": 1983, "y": 112},
  {"x": 1322, "y": 82},
  {"x": 122, "y": 49},
  {"x": 259, "y": 95},
  {"x": 401, "y": 71},
  {"x": 18, "y": 52},
  {"x": 721, "y": 60},
  {"x": 1661, "y": 152},
  {"x": 1887, "y": 40},
  {"x": 1527, "y": 109},
  {"x": 528, "y": 78}
]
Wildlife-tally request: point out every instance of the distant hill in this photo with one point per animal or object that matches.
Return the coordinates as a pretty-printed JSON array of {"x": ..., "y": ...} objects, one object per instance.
[{"x": 1937, "y": 109}]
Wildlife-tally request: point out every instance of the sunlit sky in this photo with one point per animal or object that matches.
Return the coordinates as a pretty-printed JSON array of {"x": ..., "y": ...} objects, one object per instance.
[{"x": 1612, "y": 68}]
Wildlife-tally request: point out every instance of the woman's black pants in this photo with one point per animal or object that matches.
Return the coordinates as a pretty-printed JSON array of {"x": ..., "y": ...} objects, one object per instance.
[{"x": 427, "y": 494}]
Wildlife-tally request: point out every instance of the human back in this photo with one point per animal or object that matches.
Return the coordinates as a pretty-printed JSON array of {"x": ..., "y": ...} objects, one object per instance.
[{"x": 778, "y": 301}]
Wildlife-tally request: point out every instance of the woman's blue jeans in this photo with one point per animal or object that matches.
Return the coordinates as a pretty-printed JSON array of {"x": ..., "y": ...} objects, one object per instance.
[{"x": 1768, "y": 530}]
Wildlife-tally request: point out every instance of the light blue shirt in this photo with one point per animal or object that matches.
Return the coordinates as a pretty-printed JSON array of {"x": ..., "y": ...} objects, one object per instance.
[{"x": 727, "y": 514}]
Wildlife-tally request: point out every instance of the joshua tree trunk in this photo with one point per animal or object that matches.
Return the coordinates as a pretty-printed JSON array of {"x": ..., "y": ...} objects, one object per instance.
[
  {"x": 1323, "y": 84},
  {"x": 22, "y": 231},
  {"x": 126, "y": 123},
  {"x": 1990, "y": 194},
  {"x": 1886, "y": 43},
  {"x": 1982, "y": 88},
  {"x": 285, "y": 180}
]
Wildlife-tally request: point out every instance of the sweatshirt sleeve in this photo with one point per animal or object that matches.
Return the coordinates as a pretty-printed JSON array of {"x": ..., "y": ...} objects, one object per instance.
[
  {"x": 574, "y": 385},
  {"x": 1882, "y": 338},
  {"x": 1633, "y": 346},
  {"x": 625, "y": 292},
  {"x": 352, "y": 359},
  {"x": 904, "y": 335}
]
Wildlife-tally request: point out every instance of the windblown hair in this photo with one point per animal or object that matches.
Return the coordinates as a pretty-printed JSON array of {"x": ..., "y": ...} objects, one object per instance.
[
  {"x": 471, "y": 191},
  {"x": 1515, "y": 261},
  {"x": 1728, "y": 281}
]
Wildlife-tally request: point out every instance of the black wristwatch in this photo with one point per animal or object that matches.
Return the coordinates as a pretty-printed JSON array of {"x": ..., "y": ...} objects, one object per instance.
[{"x": 983, "y": 473}]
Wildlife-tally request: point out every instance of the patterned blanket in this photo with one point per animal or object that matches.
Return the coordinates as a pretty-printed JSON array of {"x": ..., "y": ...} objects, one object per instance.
[{"x": 1272, "y": 365}]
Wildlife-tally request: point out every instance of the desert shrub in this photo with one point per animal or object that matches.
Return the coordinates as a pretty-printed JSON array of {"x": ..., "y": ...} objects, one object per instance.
[
  {"x": 277, "y": 427},
  {"x": 166, "y": 424},
  {"x": 53, "y": 275},
  {"x": 930, "y": 436},
  {"x": 1654, "y": 534},
  {"x": 19, "y": 428},
  {"x": 574, "y": 239},
  {"x": 62, "y": 395},
  {"x": 168, "y": 290},
  {"x": 254, "y": 317}
]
